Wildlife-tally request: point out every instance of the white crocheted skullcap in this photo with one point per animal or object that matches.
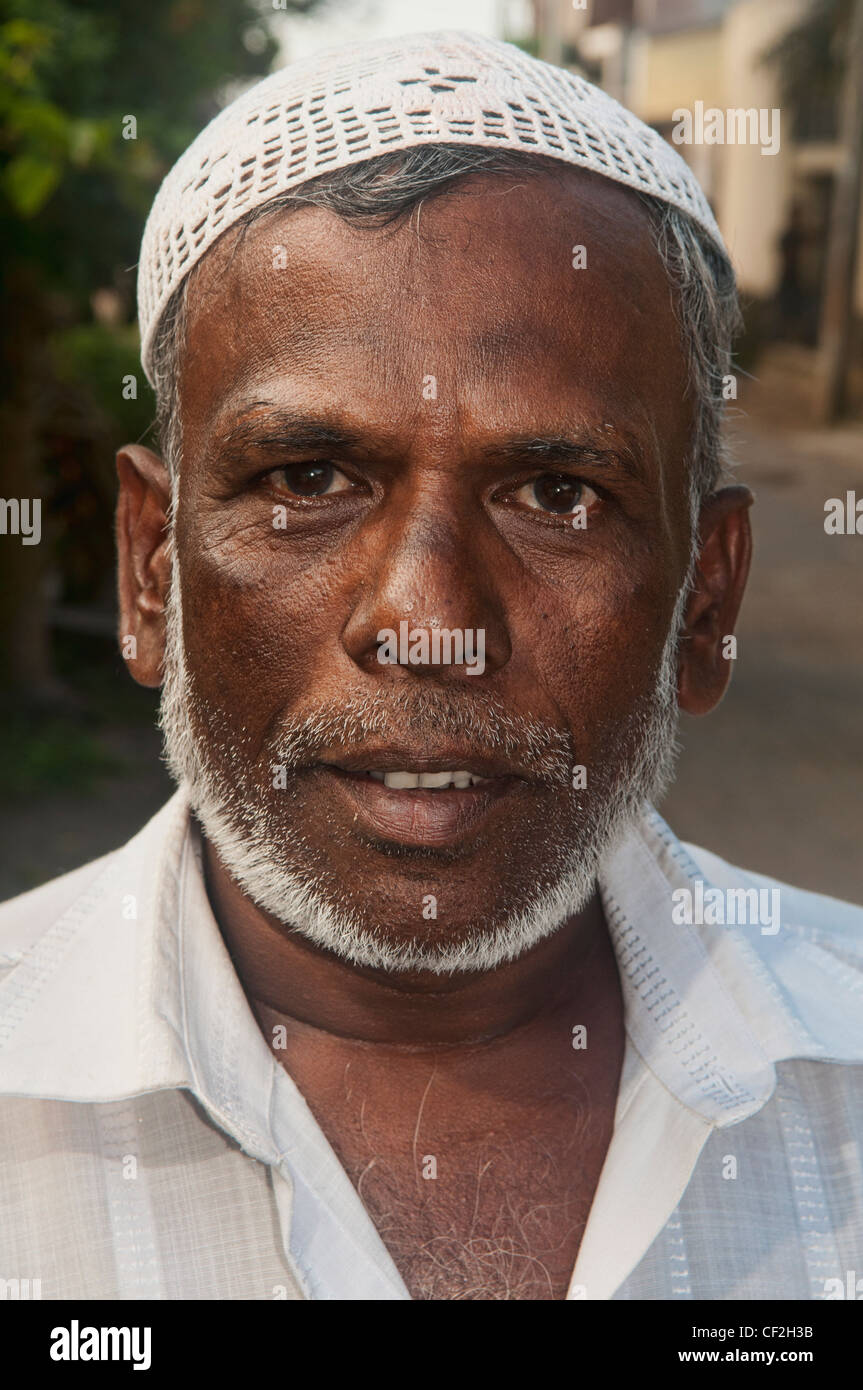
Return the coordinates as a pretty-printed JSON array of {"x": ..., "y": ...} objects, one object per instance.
[{"x": 348, "y": 104}]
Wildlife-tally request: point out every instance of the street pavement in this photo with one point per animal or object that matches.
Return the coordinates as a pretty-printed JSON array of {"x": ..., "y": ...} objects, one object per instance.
[{"x": 772, "y": 778}]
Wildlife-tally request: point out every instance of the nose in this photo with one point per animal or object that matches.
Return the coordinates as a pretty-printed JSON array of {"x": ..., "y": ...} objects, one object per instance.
[{"x": 429, "y": 603}]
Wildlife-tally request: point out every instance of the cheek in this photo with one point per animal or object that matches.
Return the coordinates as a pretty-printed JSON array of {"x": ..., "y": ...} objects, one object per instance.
[
  {"x": 254, "y": 625},
  {"x": 599, "y": 648}
]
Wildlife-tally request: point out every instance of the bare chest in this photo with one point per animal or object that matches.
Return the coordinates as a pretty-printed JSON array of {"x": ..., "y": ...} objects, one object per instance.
[
  {"x": 478, "y": 1164},
  {"x": 491, "y": 1215}
]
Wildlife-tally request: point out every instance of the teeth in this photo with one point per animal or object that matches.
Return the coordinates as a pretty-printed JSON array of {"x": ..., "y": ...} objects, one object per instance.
[
  {"x": 401, "y": 780},
  {"x": 437, "y": 781}
]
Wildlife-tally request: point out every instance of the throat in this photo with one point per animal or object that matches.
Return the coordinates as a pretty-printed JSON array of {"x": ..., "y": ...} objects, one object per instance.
[
  {"x": 290, "y": 981},
  {"x": 477, "y": 1165}
]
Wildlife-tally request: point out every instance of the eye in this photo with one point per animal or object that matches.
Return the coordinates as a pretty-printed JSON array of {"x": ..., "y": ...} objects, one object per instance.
[
  {"x": 555, "y": 492},
  {"x": 318, "y": 478}
]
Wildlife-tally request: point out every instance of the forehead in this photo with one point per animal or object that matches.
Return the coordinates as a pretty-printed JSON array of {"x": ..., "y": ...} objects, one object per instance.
[{"x": 526, "y": 296}]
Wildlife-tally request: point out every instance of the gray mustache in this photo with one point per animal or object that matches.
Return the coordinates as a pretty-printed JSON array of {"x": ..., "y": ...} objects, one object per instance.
[{"x": 399, "y": 717}]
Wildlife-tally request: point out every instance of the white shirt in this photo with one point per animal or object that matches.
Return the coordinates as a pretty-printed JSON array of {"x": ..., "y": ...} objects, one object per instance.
[{"x": 151, "y": 1145}]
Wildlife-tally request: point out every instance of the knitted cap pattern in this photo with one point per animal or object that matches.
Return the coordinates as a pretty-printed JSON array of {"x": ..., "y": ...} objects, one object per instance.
[{"x": 349, "y": 104}]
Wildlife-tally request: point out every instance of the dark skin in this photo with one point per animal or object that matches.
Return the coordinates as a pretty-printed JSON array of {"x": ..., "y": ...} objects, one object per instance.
[{"x": 432, "y": 505}]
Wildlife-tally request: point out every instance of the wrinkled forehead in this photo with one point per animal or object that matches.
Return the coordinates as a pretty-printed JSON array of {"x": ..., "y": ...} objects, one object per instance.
[{"x": 535, "y": 294}]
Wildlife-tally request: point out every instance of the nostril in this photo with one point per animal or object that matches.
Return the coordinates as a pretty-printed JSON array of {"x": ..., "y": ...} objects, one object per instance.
[{"x": 432, "y": 647}]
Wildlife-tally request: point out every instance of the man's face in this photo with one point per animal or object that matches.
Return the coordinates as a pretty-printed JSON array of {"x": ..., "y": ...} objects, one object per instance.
[{"x": 397, "y": 426}]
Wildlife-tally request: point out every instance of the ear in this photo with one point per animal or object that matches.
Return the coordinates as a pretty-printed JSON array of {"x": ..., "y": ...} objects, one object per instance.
[
  {"x": 143, "y": 560},
  {"x": 725, "y": 549}
]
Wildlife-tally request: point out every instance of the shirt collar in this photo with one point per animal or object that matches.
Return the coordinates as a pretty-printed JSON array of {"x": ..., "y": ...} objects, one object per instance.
[{"x": 685, "y": 1024}]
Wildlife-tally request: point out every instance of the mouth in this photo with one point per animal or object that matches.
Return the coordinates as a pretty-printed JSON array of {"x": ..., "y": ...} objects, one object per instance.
[
  {"x": 420, "y": 801},
  {"x": 406, "y": 780}
]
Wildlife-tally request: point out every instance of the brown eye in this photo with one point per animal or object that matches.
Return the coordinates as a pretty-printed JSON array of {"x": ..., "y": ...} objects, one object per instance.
[
  {"x": 556, "y": 492},
  {"x": 315, "y": 479}
]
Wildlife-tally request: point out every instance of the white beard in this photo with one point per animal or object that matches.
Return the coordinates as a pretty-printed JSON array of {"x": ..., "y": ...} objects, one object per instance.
[{"x": 251, "y": 842}]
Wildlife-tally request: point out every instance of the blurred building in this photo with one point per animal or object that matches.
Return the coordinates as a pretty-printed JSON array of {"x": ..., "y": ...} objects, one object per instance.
[{"x": 659, "y": 57}]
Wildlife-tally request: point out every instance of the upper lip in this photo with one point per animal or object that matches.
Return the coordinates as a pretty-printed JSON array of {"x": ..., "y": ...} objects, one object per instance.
[{"x": 404, "y": 760}]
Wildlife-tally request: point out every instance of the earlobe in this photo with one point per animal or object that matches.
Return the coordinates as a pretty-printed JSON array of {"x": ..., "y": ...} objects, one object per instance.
[
  {"x": 143, "y": 560},
  {"x": 708, "y": 647}
]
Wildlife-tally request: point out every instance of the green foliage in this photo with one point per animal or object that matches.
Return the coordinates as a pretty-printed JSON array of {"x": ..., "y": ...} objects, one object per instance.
[
  {"x": 93, "y": 359},
  {"x": 74, "y": 196},
  {"x": 52, "y": 756},
  {"x": 73, "y": 191}
]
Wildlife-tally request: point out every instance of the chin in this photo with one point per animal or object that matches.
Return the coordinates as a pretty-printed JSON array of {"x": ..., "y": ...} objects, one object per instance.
[{"x": 427, "y": 940}]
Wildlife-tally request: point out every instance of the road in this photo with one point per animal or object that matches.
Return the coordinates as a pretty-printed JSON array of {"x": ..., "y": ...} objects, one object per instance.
[{"x": 772, "y": 779}]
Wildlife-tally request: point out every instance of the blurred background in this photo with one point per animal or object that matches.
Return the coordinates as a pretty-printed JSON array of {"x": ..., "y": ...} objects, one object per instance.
[{"x": 99, "y": 97}]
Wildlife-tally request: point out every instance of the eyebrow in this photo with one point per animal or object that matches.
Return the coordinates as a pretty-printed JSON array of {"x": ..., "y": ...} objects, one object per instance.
[
  {"x": 564, "y": 450},
  {"x": 261, "y": 426}
]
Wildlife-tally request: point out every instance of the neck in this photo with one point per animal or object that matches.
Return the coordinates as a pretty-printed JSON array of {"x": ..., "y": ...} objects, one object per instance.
[{"x": 285, "y": 975}]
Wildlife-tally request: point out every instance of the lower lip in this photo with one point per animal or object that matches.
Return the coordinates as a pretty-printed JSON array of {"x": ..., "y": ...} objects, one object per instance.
[{"x": 408, "y": 817}]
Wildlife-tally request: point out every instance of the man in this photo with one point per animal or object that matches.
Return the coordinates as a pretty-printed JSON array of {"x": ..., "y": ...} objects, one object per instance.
[{"x": 409, "y": 992}]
